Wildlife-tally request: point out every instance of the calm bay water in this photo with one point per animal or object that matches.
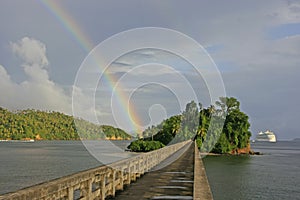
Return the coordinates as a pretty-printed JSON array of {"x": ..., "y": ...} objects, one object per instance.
[
  {"x": 23, "y": 164},
  {"x": 274, "y": 175}
]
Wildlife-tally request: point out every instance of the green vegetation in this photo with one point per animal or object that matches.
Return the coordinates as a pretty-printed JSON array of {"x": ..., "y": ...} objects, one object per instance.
[
  {"x": 164, "y": 132},
  {"x": 233, "y": 133},
  {"x": 145, "y": 146},
  {"x": 35, "y": 124},
  {"x": 220, "y": 128}
]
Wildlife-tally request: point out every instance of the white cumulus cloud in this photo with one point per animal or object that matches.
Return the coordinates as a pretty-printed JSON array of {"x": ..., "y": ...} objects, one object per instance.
[
  {"x": 31, "y": 51},
  {"x": 38, "y": 91}
]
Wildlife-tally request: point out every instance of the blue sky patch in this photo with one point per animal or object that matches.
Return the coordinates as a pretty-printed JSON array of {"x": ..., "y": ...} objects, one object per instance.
[{"x": 285, "y": 30}]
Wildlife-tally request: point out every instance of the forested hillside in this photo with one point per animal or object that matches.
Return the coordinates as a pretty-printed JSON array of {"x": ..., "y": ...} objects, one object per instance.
[{"x": 41, "y": 125}]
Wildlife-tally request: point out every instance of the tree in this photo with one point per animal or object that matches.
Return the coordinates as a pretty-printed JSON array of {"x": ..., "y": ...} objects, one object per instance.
[
  {"x": 228, "y": 104},
  {"x": 52, "y": 126},
  {"x": 169, "y": 129},
  {"x": 235, "y": 133},
  {"x": 214, "y": 130},
  {"x": 190, "y": 121}
]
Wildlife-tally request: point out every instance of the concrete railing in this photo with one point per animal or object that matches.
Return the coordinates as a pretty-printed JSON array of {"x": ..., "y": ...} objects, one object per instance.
[
  {"x": 97, "y": 183},
  {"x": 201, "y": 186}
]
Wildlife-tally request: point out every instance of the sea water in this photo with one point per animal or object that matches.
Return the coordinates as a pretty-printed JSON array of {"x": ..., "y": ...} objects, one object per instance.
[
  {"x": 273, "y": 175},
  {"x": 23, "y": 164}
]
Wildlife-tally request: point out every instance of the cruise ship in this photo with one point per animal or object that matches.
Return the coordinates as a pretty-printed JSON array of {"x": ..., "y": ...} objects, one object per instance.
[{"x": 267, "y": 136}]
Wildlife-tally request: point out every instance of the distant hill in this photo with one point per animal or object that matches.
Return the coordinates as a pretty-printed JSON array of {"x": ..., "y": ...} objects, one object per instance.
[{"x": 42, "y": 125}]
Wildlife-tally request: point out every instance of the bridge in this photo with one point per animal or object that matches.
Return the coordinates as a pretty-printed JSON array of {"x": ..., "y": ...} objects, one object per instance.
[{"x": 173, "y": 172}]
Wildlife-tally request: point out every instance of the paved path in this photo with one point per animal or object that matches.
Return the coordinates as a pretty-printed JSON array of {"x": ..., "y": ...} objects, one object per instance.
[{"x": 174, "y": 181}]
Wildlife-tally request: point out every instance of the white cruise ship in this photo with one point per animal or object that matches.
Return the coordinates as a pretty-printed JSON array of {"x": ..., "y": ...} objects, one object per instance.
[{"x": 267, "y": 136}]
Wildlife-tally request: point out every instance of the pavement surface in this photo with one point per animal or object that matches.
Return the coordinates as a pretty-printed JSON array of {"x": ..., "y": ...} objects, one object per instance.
[{"x": 172, "y": 179}]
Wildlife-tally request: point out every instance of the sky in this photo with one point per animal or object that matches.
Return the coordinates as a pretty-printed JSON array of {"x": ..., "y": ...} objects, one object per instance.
[{"x": 51, "y": 54}]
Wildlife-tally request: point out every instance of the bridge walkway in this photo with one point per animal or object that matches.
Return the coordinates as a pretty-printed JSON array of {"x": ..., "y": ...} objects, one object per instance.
[{"x": 165, "y": 181}]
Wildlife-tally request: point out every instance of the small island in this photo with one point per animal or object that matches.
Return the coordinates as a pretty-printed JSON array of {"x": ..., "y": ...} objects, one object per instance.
[{"x": 218, "y": 129}]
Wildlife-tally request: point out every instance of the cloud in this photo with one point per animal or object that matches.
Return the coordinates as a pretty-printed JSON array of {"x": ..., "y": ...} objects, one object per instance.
[
  {"x": 289, "y": 12},
  {"x": 263, "y": 71},
  {"x": 265, "y": 75},
  {"x": 121, "y": 63},
  {"x": 5, "y": 78},
  {"x": 37, "y": 91},
  {"x": 6, "y": 87},
  {"x": 33, "y": 52}
]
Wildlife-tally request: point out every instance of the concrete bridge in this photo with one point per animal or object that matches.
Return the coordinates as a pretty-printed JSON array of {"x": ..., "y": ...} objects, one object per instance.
[{"x": 173, "y": 172}]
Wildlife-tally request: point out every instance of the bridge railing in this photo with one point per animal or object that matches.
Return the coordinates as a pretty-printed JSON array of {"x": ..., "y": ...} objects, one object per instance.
[{"x": 97, "y": 183}]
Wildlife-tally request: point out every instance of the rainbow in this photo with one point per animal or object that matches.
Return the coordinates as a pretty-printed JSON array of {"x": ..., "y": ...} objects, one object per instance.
[{"x": 70, "y": 25}]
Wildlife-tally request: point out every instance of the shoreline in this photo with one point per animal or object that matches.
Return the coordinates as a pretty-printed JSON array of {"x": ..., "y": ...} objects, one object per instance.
[
  {"x": 251, "y": 153},
  {"x": 32, "y": 140}
]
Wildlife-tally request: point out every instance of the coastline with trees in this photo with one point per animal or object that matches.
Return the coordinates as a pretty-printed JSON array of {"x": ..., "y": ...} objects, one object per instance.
[
  {"x": 41, "y": 125},
  {"x": 221, "y": 128}
]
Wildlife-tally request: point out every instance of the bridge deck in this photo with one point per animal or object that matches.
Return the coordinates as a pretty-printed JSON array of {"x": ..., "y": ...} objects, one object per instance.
[{"x": 174, "y": 181}]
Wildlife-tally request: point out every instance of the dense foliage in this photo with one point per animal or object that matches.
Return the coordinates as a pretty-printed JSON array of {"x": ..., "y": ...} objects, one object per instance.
[
  {"x": 145, "y": 146},
  {"x": 231, "y": 133},
  {"x": 35, "y": 124},
  {"x": 164, "y": 132},
  {"x": 220, "y": 128}
]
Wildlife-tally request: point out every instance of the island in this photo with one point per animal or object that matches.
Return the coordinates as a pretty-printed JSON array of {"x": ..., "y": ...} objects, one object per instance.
[{"x": 221, "y": 128}]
